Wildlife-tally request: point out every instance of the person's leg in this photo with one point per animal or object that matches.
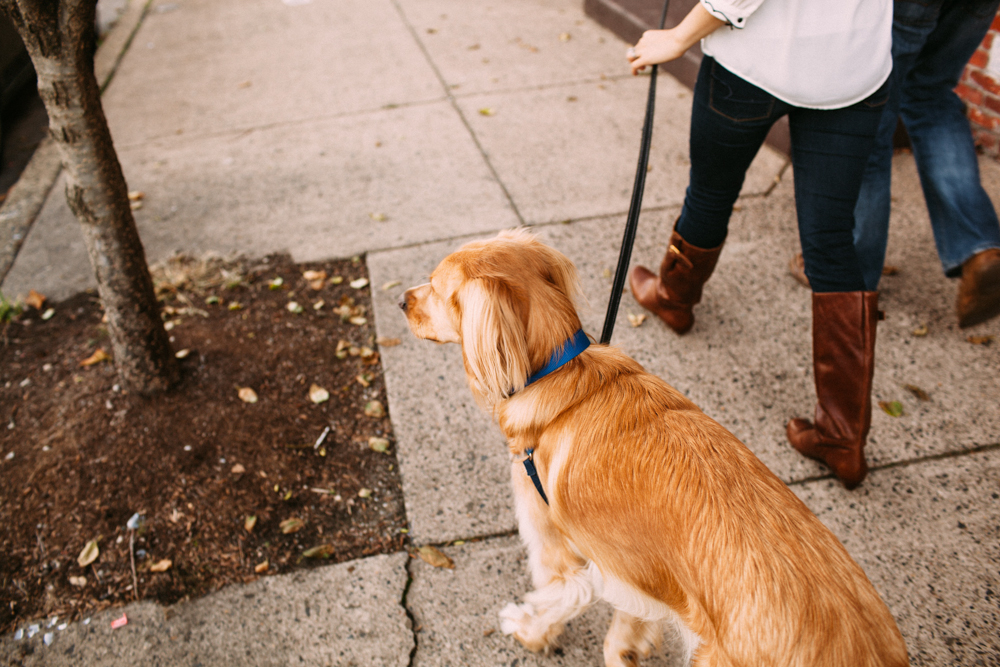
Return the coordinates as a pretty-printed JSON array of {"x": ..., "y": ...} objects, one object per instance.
[
  {"x": 729, "y": 120},
  {"x": 962, "y": 215},
  {"x": 830, "y": 150}
]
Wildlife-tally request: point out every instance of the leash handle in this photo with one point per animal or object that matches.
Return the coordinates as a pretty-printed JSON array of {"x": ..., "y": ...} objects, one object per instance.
[{"x": 632, "y": 222}]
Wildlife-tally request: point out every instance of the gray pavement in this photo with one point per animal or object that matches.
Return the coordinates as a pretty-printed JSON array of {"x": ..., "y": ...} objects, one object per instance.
[{"x": 402, "y": 129}]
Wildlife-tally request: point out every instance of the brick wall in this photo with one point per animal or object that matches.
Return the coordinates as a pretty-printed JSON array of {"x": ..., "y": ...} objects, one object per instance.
[{"x": 980, "y": 88}]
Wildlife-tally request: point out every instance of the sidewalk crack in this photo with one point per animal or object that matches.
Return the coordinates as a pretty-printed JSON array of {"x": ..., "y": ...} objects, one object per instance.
[{"x": 409, "y": 613}]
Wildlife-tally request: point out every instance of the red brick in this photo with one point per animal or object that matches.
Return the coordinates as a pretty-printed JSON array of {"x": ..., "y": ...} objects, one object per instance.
[
  {"x": 970, "y": 95},
  {"x": 980, "y": 58},
  {"x": 996, "y": 24},
  {"x": 988, "y": 40},
  {"x": 992, "y": 103},
  {"x": 987, "y": 82},
  {"x": 983, "y": 120}
]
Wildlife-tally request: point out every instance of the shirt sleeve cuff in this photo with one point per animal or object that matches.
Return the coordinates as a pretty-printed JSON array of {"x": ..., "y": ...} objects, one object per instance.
[{"x": 734, "y": 12}]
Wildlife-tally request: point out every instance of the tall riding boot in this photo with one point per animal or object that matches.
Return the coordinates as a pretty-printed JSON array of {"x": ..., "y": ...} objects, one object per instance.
[
  {"x": 844, "y": 361},
  {"x": 673, "y": 294}
]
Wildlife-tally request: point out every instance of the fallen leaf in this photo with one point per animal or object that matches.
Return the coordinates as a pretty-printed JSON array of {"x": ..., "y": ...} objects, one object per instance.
[
  {"x": 980, "y": 340},
  {"x": 366, "y": 353},
  {"x": 319, "y": 304},
  {"x": 606, "y": 273},
  {"x": 211, "y": 300},
  {"x": 365, "y": 493},
  {"x": 636, "y": 320},
  {"x": 892, "y": 408},
  {"x": 136, "y": 195},
  {"x": 293, "y": 307},
  {"x": 276, "y": 283},
  {"x": 889, "y": 270},
  {"x": 389, "y": 285},
  {"x": 292, "y": 525},
  {"x": 374, "y": 409},
  {"x": 79, "y": 582},
  {"x": 35, "y": 300},
  {"x": 380, "y": 445},
  {"x": 378, "y": 217},
  {"x": 238, "y": 469},
  {"x": 89, "y": 554},
  {"x": 182, "y": 354},
  {"x": 435, "y": 558},
  {"x": 920, "y": 331},
  {"x": 358, "y": 321},
  {"x": 364, "y": 380},
  {"x": 314, "y": 275},
  {"x": 917, "y": 391},
  {"x": 336, "y": 280},
  {"x": 342, "y": 349},
  {"x": 235, "y": 305},
  {"x": 322, "y": 551},
  {"x": 382, "y": 341},
  {"x": 317, "y": 394},
  {"x": 247, "y": 395},
  {"x": 564, "y": 37},
  {"x": 47, "y": 315},
  {"x": 161, "y": 565},
  {"x": 249, "y": 523},
  {"x": 359, "y": 283},
  {"x": 97, "y": 357},
  {"x": 135, "y": 205},
  {"x": 261, "y": 567},
  {"x": 487, "y": 112}
]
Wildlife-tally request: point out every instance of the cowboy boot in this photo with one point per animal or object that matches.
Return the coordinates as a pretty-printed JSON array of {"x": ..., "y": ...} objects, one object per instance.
[
  {"x": 844, "y": 362},
  {"x": 673, "y": 294}
]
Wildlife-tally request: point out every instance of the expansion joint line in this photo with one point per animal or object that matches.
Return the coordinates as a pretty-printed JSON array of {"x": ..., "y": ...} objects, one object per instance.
[{"x": 458, "y": 110}]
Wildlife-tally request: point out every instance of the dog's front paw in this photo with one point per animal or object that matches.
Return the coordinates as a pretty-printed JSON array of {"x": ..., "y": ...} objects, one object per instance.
[{"x": 528, "y": 628}]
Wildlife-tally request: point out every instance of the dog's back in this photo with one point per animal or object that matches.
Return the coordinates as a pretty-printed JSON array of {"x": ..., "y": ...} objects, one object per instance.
[{"x": 671, "y": 505}]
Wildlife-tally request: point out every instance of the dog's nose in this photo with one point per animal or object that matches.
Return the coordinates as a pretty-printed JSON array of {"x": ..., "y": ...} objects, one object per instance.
[{"x": 402, "y": 302}]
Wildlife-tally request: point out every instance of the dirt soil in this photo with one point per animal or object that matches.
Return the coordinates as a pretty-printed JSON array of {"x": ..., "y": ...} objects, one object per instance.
[{"x": 228, "y": 490}]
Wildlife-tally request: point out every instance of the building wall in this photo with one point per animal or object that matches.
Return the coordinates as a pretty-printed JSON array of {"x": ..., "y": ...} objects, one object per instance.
[{"x": 979, "y": 87}]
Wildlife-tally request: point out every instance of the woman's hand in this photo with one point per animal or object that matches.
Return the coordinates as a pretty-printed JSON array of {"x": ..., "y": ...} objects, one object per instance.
[
  {"x": 660, "y": 46},
  {"x": 655, "y": 47}
]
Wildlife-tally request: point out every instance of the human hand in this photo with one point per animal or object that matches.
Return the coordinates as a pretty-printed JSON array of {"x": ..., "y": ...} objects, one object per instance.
[{"x": 656, "y": 46}]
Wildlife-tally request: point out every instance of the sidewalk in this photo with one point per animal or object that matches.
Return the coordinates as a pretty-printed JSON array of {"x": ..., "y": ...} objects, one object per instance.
[{"x": 258, "y": 126}]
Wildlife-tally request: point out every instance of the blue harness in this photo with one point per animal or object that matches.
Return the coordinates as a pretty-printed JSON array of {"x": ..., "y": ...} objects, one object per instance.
[{"x": 570, "y": 350}]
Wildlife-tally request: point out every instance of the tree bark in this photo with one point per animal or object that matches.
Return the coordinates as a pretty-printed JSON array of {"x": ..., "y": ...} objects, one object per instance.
[{"x": 60, "y": 38}]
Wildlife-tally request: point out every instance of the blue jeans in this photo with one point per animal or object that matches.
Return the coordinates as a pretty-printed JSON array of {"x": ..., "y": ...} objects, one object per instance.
[
  {"x": 931, "y": 43},
  {"x": 730, "y": 119}
]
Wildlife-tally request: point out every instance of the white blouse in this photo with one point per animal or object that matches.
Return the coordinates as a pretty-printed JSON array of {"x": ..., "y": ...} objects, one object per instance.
[{"x": 820, "y": 54}]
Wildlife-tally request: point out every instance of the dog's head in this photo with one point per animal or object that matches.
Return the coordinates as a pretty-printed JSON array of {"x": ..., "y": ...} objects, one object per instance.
[{"x": 508, "y": 301}]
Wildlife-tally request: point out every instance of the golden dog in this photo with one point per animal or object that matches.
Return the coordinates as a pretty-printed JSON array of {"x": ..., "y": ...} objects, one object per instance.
[{"x": 648, "y": 503}]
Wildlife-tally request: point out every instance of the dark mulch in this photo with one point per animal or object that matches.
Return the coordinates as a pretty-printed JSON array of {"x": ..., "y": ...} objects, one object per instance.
[{"x": 78, "y": 456}]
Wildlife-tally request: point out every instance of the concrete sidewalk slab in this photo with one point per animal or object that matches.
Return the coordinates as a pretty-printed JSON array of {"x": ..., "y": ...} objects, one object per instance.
[
  {"x": 283, "y": 62},
  {"x": 453, "y": 461},
  {"x": 349, "y": 614},
  {"x": 323, "y": 183},
  {"x": 455, "y": 613},
  {"x": 927, "y": 536},
  {"x": 513, "y": 45},
  {"x": 570, "y": 152}
]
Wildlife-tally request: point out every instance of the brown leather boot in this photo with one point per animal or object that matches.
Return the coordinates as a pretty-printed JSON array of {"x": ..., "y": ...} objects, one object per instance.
[
  {"x": 844, "y": 361},
  {"x": 673, "y": 294},
  {"x": 979, "y": 291}
]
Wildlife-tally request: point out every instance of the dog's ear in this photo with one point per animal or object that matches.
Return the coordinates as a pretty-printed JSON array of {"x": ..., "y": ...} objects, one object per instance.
[
  {"x": 493, "y": 340},
  {"x": 561, "y": 272}
]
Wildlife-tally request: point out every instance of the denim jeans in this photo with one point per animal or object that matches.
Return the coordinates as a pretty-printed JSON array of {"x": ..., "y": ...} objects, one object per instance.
[
  {"x": 932, "y": 41},
  {"x": 730, "y": 119}
]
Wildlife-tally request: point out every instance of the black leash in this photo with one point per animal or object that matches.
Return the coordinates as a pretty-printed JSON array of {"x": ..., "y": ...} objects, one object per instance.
[{"x": 632, "y": 222}]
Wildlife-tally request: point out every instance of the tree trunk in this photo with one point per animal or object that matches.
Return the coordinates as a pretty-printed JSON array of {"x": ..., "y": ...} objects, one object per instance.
[{"x": 60, "y": 37}]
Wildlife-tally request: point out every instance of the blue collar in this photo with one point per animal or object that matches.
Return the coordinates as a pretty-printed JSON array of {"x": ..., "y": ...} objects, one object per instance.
[{"x": 569, "y": 351}]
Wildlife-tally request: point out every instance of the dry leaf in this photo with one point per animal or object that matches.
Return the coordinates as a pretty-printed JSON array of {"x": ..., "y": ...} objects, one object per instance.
[
  {"x": 35, "y": 300},
  {"x": 359, "y": 283},
  {"x": 917, "y": 391},
  {"x": 276, "y": 283},
  {"x": 79, "y": 582},
  {"x": 136, "y": 195},
  {"x": 314, "y": 275},
  {"x": 358, "y": 321},
  {"x": 920, "y": 331},
  {"x": 389, "y": 285},
  {"x": 432, "y": 556},
  {"x": 249, "y": 523},
  {"x": 365, "y": 493},
  {"x": 382, "y": 341},
  {"x": 487, "y": 112},
  {"x": 293, "y": 307},
  {"x": 317, "y": 394},
  {"x": 378, "y": 217},
  {"x": 889, "y": 270},
  {"x": 636, "y": 320},
  {"x": 364, "y": 380},
  {"x": 380, "y": 445},
  {"x": 980, "y": 340},
  {"x": 47, "y": 315},
  {"x": 238, "y": 469},
  {"x": 261, "y": 567},
  {"x": 892, "y": 408},
  {"x": 182, "y": 354},
  {"x": 247, "y": 395},
  {"x": 319, "y": 304},
  {"x": 292, "y": 525},
  {"x": 322, "y": 551},
  {"x": 564, "y": 37},
  {"x": 336, "y": 280},
  {"x": 97, "y": 357},
  {"x": 374, "y": 409},
  {"x": 89, "y": 554},
  {"x": 161, "y": 566},
  {"x": 342, "y": 349}
]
